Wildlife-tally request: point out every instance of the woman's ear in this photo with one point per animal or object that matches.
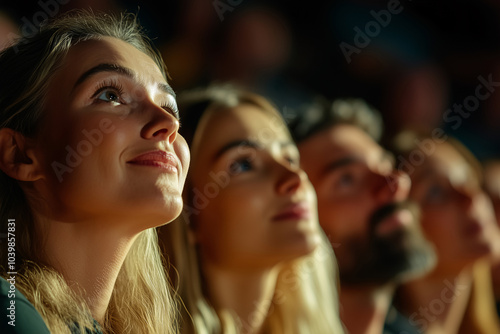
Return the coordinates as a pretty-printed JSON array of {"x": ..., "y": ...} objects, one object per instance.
[{"x": 17, "y": 158}]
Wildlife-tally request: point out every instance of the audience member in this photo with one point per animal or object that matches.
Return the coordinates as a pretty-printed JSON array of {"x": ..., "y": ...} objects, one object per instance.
[
  {"x": 251, "y": 257},
  {"x": 363, "y": 208}
]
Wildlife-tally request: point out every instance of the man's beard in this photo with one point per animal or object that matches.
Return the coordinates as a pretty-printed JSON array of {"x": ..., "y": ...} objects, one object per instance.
[{"x": 378, "y": 260}]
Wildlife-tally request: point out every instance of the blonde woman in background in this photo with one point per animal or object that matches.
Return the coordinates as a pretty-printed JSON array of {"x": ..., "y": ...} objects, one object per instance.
[
  {"x": 458, "y": 218},
  {"x": 91, "y": 161},
  {"x": 250, "y": 255}
]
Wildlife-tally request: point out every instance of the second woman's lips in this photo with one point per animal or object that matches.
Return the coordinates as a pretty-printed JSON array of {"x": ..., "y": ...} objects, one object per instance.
[
  {"x": 294, "y": 211},
  {"x": 159, "y": 159}
]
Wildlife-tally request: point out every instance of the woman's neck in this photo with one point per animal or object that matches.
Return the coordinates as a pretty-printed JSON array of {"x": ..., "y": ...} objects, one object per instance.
[
  {"x": 436, "y": 303},
  {"x": 247, "y": 294},
  {"x": 363, "y": 309},
  {"x": 89, "y": 257}
]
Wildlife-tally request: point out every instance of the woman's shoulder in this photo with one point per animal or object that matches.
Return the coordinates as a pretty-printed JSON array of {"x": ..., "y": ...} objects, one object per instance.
[{"x": 17, "y": 314}]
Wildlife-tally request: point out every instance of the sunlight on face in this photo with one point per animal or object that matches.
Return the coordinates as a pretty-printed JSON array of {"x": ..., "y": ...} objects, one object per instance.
[
  {"x": 109, "y": 138},
  {"x": 256, "y": 205}
]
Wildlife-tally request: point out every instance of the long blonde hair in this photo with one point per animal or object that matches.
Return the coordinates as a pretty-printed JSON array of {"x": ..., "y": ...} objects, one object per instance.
[
  {"x": 141, "y": 301},
  {"x": 305, "y": 299}
]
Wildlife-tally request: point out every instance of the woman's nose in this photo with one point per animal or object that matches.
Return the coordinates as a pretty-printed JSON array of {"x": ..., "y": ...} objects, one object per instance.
[{"x": 162, "y": 124}]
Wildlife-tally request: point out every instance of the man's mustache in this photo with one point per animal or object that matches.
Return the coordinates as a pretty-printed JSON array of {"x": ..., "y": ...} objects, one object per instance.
[{"x": 385, "y": 211}]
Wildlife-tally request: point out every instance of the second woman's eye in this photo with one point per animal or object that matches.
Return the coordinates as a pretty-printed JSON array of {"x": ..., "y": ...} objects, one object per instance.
[
  {"x": 293, "y": 161},
  {"x": 240, "y": 166},
  {"x": 435, "y": 194}
]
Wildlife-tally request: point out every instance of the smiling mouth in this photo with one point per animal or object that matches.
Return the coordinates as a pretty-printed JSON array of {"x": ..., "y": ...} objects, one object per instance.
[{"x": 156, "y": 159}]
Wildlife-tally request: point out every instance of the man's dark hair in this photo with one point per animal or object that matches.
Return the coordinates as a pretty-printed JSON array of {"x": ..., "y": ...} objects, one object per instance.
[{"x": 322, "y": 114}]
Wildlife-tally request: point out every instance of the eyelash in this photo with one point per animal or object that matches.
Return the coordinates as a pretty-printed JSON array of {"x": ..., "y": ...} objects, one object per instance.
[
  {"x": 172, "y": 108},
  {"x": 293, "y": 161},
  {"x": 109, "y": 84},
  {"x": 239, "y": 163},
  {"x": 115, "y": 85}
]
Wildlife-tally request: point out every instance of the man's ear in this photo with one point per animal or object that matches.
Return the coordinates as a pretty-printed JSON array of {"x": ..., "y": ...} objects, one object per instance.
[{"x": 17, "y": 158}]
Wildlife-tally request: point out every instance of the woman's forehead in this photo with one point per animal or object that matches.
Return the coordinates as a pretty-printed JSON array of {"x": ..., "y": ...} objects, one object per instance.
[
  {"x": 446, "y": 162},
  {"x": 108, "y": 50},
  {"x": 242, "y": 121}
]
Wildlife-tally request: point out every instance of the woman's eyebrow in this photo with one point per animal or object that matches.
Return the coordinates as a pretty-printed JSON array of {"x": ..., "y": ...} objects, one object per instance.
[
  {"x": 235, "y": 144},
  {"x": 115, "y": 68},
  {"x": 167, "y": 89},
  {"x": 103, "y": 68}
]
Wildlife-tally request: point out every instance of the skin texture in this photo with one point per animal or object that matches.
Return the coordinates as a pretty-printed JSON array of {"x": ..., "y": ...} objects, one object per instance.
[
  {"x": 93, "y": 210},
  {"x": 243, "y": 231}
]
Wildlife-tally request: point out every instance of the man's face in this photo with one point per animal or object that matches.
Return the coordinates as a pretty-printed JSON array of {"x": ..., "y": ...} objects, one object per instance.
[{"x": 362, "y": 206}]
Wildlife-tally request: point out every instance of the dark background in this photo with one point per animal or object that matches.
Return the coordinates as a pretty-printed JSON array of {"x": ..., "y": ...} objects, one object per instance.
[{"x": 427, "y": 59}]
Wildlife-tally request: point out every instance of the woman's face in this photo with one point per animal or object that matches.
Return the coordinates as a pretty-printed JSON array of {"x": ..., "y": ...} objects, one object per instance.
[
  {"x": 108, "y": 142},
  {"x": 252, "y": 204},
  {"x": 492, "y": 185},
  {"x": 456, "y": 214}
]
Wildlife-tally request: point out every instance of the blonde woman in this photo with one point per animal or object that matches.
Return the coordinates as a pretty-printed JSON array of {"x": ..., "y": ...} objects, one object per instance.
[
  {"x": 91, "y": 161},
  {"x": 458, "y": 218},
  {"x": 255, "y": 259}
]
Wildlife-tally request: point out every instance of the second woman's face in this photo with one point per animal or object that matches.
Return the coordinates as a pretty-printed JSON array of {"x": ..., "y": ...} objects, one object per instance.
[
  {"x": 109, "y": 145},
  {"x": 252, "y": 205},
  {"x": 456, "y": 215}
]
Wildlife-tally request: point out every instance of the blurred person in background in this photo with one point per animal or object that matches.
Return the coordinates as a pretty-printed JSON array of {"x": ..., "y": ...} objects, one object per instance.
[
  {"x": 363, "y": 208},
  {"x": 189, "y": 50},
  {"x": 415, "y": 99},
  {"x": 9, "y": 30},
  {"x": 491, "y": 169},
  {"x": 458, "y": 218},
  {"x": 252, "y": 49},
  {"x": 249, "y": 252}
]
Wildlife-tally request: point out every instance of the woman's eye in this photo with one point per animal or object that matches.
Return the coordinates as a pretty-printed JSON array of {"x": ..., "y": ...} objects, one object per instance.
[
  {"x": 435, "y": 193},
  {"x": 345, "y": 180},
  {"x": 294, "y": 162},
  {"x": 240, "y": 166},
  {"x": 109, "y": 95}
]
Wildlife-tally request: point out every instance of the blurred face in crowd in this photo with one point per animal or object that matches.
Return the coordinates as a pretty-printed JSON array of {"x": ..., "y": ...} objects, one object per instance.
[
  {"x": 255, "y": 206},
  {"x": 492, "y": 185},
  {"x": 457, "y": 216},
  {"x": 108, "y": 144},
  {"x": 362, "y": 206}
]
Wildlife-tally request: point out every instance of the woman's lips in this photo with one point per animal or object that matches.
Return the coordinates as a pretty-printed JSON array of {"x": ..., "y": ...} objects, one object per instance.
[
  {"x": 158, "y": 159},
  {"x": 294, "y": 211}
]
